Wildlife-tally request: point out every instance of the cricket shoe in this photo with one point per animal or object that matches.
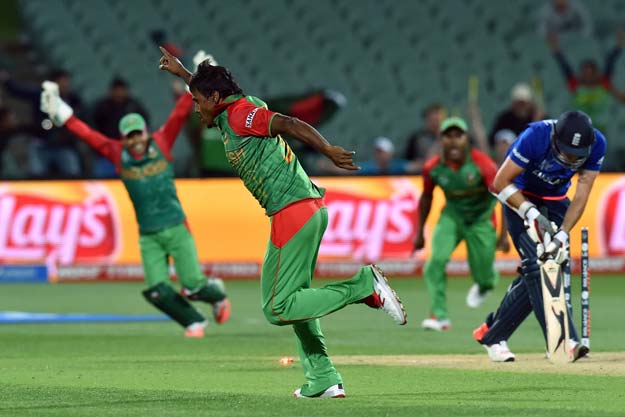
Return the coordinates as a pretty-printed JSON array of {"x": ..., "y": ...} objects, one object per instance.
[
  {"x": 499, "y": 352},
  {"x": 221, "y": 311},
  {"x": 579, "y": 351},
  {"x": 475, "y": 297},
  {"x": 576, "y": 350},
  {"x": 435, "y": 324},
  {"x": 385, "y": 298},
  {"x": 195, "y": 330},
  {"x": 335, "y": 391}
]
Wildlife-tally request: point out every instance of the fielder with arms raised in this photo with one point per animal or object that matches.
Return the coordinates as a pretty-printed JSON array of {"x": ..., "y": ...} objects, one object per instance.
[
  {"x": 144, "y": 163},
  {"x": 274, "y": 176},
  {"x": 533, "y": 182}
]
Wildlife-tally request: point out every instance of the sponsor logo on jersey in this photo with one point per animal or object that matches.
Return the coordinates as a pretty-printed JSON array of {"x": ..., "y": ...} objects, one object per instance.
[
  {"x": 549, "y": 179},
  {"x": 250, "y": 118}
]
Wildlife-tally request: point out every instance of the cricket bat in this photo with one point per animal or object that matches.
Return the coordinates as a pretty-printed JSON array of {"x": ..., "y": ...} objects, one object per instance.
[{"x": 556, "y": 313}]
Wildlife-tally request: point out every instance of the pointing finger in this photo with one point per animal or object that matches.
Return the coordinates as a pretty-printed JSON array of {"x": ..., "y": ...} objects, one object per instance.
[{"x": 165, "y": 52}]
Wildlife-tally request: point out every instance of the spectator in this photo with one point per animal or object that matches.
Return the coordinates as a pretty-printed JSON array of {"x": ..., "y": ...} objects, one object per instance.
[
  {"x": 518, "y": 115},
  {"x": 383, "y": 162},
  {"x": 57, "y": 153},
  {"x": 108, "y": 112},
  {"x": 15, "y": 141},
  {"x": 590, "y": 87},
  {"x": 503, "y": 140},
  {"x": 424, "y": 144},
  {"x": 565, "y": 17}
]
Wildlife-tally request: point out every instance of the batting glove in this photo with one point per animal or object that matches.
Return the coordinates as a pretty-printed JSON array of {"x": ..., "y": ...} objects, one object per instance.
[
  {"x": 51, "y": 103},
  {"x": 540, "y": 230},
  {"x": 558, "y": 248}
]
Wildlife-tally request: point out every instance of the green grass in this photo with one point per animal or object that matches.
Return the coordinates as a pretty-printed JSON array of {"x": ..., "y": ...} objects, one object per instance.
[{"x": 149, "y": 369}]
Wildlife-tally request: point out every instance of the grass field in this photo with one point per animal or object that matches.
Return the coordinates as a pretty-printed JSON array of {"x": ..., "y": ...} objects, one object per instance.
[{"x": 149, "y": 369}]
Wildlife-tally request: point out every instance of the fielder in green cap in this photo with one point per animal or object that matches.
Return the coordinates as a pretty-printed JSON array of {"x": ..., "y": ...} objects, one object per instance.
[
  {"x": 464, "y": 175},
  {"x": 144, "y": 163}
]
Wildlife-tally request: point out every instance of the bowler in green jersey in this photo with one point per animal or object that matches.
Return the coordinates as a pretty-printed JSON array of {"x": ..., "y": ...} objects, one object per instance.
[{"x": 272, "y": 173}]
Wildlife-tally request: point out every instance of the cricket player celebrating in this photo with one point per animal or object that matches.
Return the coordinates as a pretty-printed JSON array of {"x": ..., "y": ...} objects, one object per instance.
[
  {"x": 464, "y": 175},
  {"x": 274, "y": 176},
  {"x": 144, "y": 163},
  {"x": 533, "y": 182}
]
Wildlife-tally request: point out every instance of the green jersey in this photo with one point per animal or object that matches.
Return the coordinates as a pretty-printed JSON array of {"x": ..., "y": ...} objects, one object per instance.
[
  {"x": 465, "y": 187},
  {"x": 265, "y": 162},
  {"x": 149, "y": 181}
]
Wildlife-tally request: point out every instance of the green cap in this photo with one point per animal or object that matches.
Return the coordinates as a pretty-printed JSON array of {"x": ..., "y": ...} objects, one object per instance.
[
  {"x": 130, "y": 123},
  {"x": 456, "y": 122}
]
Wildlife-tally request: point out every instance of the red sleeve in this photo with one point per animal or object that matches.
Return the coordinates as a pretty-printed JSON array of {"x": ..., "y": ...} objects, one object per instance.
[
  {"x": 167, "y": 134},
  {"x": 111, "y": 149},
  {"x": 246, "y": 119},
  {"x": 428, "y": 184},
  {"x": 572, "y": 83},
  {"x": 487, "y": 167}
]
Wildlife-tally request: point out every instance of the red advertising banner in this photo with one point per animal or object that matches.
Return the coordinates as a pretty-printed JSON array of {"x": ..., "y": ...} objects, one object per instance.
[{"x": 87, "y": 229}]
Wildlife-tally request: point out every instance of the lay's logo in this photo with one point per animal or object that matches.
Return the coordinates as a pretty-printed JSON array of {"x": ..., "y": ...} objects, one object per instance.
[
  {"x": 612, "y": 229},
  {"x": 72, "y": 224},
  {"x": 369, "y": 228}
]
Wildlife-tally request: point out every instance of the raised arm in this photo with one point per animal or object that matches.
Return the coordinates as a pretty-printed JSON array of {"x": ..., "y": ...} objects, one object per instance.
[
  {"x": 168, "y": 133},
  {"x": 62, "y": 114},
  {"x": 564, "y": 65}
]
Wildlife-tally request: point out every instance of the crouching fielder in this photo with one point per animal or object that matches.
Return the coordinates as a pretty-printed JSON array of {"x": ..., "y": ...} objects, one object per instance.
[{"x": 533, "y": 182}]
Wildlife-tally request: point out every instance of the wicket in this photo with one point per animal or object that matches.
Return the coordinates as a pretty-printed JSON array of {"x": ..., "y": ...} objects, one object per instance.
[{"x": 585, "y": 294}]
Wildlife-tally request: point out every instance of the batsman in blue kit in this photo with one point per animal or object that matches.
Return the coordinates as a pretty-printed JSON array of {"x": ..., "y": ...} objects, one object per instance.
[{"x": 532, "y": 183}]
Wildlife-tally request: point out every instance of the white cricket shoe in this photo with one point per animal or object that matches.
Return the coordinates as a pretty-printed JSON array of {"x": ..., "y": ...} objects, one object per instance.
[
  {"x": 196, "y": 330},
  {"x": 475, "y": 298},
  {"x": 499, "y": 352},
  {"x": 335, "y": 391},
  {"x": 385, "y": 298},
  {"x": 435, "y": 324}
]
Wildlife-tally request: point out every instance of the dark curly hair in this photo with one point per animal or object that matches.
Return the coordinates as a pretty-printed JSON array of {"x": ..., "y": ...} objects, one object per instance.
[{"x": 210, "y": 78}]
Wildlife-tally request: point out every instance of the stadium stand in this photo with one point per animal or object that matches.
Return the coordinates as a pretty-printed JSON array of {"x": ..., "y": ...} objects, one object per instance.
[{"x": 390, "y": 58}]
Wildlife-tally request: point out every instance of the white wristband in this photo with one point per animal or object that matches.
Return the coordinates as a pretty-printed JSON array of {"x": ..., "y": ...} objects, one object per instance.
[
  {"x": 528, "y": 211},
  {"x": 507, "y": 191}
]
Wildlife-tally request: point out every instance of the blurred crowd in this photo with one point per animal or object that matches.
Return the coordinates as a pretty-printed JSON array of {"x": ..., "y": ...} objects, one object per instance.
[{"x": 32, "y": 148}]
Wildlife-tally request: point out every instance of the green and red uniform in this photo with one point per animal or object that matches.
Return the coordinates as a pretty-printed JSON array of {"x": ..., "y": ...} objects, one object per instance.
[
  {"x": 149, "y": 180},
  {"x": 273, "y": 174},
  {"x": 468, "y": 216}
]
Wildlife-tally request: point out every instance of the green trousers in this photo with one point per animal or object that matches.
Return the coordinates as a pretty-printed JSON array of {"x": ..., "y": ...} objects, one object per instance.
[
  {"x": 480, "y": 238},
  {"x": 287, "y": 298},
  {"x": 177, "y": 242}
]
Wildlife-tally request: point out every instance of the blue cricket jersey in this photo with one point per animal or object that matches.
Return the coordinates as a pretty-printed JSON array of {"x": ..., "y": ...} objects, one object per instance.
[{"x": 544, "y": 175}]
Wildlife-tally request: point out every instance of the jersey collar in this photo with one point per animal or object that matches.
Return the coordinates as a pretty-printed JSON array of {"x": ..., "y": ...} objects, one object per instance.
[{"x": 226, "y": 103}]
